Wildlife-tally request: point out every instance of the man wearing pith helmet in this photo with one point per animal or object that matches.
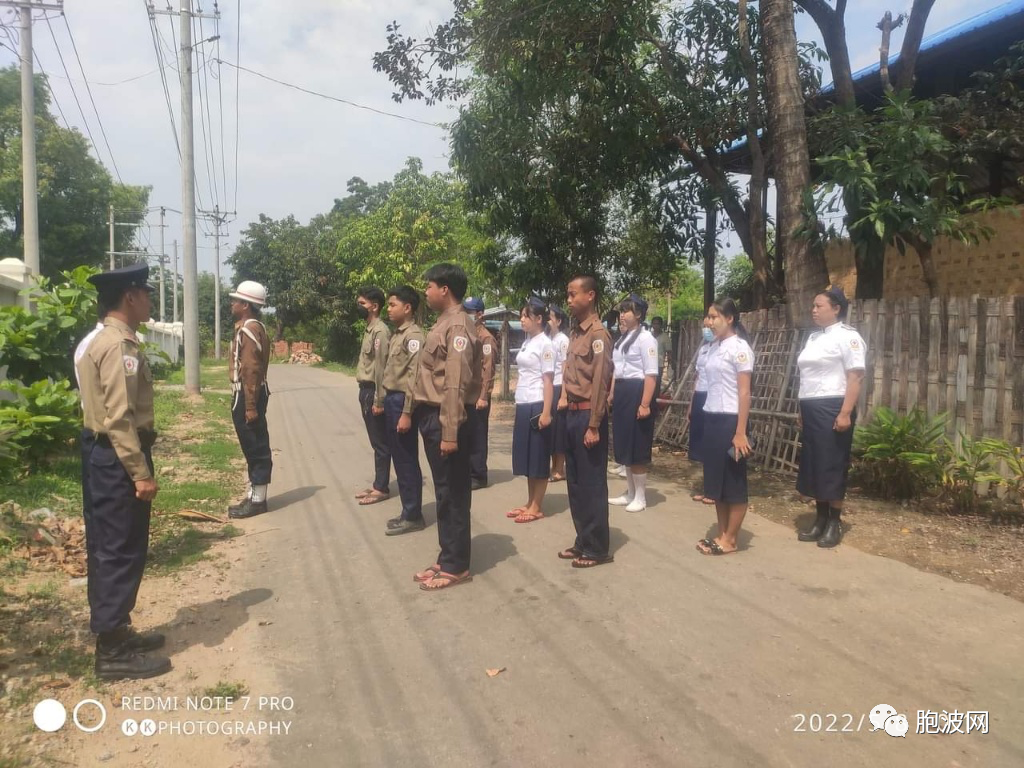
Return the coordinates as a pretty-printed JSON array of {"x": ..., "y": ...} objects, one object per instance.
[{"x": 250, "y": 358}]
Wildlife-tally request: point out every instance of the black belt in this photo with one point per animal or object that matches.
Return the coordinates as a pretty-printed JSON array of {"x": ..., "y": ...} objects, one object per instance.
[{"x": 367, "y": 384}]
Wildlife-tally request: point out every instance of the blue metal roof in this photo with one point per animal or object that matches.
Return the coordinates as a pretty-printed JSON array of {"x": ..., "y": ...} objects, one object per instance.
[{"x": 950, "y": 34}]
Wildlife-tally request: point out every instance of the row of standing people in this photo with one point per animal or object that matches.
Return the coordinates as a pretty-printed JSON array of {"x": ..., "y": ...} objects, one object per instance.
[{"x": 831, "y": 367}]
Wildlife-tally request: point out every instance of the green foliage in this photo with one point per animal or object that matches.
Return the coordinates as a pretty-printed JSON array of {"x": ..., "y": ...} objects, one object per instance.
[
  {"x": 1013, "y": 456},
  {"x": 42, "y": 420},
  {"x": 39, "y": 344},
  {"x": 965, "y": 464},
  {"x": 75, "y": 190},
  {"x": 898, "y": 456}
]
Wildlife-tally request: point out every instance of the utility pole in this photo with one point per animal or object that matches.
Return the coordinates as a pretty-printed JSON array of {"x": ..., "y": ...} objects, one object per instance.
[
  {"x": 163, "y": 258},
  {"x": 111, "y": 220},
  {"x": 216, "y": 282},
  {"x": 188, "y": 204},
  {"x": 29, "y": 182},
  {"x": 174, "y": 283}
]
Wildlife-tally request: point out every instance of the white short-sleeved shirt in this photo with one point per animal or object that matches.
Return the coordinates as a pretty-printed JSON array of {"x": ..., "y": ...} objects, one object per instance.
[
  {"x": 640, "y": 360},
  {"x": 83, "y": 345},
  {"x": 535, "y": 358},
  {"x": 561, "y": 344},
  {"x": 700, "y": 365},
  {"x": 827, "y": 357},
  {"x": 727, "y": 359}
]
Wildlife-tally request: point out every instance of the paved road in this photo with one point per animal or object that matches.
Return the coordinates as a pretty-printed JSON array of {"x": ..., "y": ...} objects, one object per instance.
[{"x": 666, "y": 658}]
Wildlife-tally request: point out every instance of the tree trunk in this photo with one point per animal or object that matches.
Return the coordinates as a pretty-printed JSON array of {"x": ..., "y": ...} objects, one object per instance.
[
  {"x": 928, "y": 270},
  {"x": 907, "y": 64},
  {"x": 758, "y": 172},
  {"x": 806, "y": 273}
]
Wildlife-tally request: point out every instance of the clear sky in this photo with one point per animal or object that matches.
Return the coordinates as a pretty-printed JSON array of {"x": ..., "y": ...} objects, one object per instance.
[{"x": 295, "y": 151}]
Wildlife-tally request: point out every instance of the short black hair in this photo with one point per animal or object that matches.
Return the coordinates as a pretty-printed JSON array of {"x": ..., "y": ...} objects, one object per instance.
[
  {"x": 589, "y": 284},
  {"x": 407, "y": 295},
  {"x": 450, "y": 276},
  {"x": 657, "y": 319},
  {"x": 838, "y": 300},
  {"x": 372, "y": 293}
]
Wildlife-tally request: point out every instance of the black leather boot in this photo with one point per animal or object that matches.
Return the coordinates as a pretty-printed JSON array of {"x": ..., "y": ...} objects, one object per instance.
[
  {"x": 144, "y": 641},
  {"x": 234, "y": 508},
  {"x": 116, "y": 659},
  {"x": 814, "y": 532},
  {"x": 833, "y": 529},
  {"x": 248, "y": 508}
]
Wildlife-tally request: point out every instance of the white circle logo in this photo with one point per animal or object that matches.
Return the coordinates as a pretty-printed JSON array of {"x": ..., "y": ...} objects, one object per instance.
[
  {"x": 49, "y": 715},
  {"x": 147, "y": 727},
  {"x": 100, "y": 724},
  {"x": 129, "y": 727}
]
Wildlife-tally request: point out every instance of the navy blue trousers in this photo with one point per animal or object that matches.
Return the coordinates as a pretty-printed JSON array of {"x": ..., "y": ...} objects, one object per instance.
[
  {"x": 405, "y": 455},
  {"x": 376, "y": 431},
  {"x": 586, "y": 471},
  {"x": 117, "y": 535},
  {"x": 254, "y": 438},
  {"x": 453, "y": 489},
  {"x": 479, "y": 421}
]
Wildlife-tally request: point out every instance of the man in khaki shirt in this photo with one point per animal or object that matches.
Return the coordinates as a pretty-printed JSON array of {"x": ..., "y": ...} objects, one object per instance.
[
  {"x": 373, "y": 358},
  {"x": 448, "y": 384},
  {"x": 586, "y": 380},
  {"x": 480, "y": 415},
  {"x": 118, "y": 436},
  {"x": 250, "y": 359},
  {"x": 399, "y": 381}
]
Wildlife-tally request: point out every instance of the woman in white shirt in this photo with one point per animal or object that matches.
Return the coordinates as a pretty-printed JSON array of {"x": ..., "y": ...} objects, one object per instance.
[
  {"x": 635, "y": 356},
  {"x": 729, "y": 370},
  {"x": 557, "y": 320},
  {"x": 695, "y": 413},
  {"x": 831, "y": 367},
  {"x": 531, "y": 434}
]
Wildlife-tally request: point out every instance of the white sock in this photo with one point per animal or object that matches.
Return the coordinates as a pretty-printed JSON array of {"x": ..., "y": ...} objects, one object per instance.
[
  {"x": 640, "y": 483},
  {"x": 259, "y": 494},
  {"x": 630, "y": 484}
]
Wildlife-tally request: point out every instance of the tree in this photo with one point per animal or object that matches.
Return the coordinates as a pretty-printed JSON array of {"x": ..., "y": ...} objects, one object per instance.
[
  {"x": 576, "y": 104},
  {"x": 75, "y": 190},
  {"x": 805, "y": 266},
  {"x": 906, "y": 178},
  {"x": 869, "y": 250}
]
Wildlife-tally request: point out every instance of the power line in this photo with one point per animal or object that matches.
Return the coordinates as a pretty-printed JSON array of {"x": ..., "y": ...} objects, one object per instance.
[
  {"x": 208, "y": 143},
  {"x": 220, "y": 115},
  {"x": 88, "y": 88},
  {"x": 74, "y": 93},
  {"x": 46, "y": 80},
  {"x": 154, "y": 31},
  {"x": 332, "y": 98},
  {"x": 238, "y": 58}
]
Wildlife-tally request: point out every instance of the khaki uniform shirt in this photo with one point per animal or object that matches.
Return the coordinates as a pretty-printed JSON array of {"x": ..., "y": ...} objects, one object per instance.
[
  {"x": 449, "y": 372},
  {"x": 249, "y": 360},
  {"x": 490, "y": 353},
  {"x": 403, "y": 362},
  {"x": 588, "y": 368},
  {"x": 117, "y": 394},
  {"x": 373, "y": 356}
]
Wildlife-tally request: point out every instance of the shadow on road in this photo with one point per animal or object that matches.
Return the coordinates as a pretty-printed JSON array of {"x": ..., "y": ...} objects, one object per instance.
[
  {"x": 286, "y": 499},
  {"x": 211, "y": 622},
  {"x": 489, "y": 549},
  {"x": 617, "y": 540}
]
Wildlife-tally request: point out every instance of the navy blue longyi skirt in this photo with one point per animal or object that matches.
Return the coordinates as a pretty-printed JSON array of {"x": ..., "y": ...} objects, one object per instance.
[
  {"x": 725, "y": 480},
  {"x": 697, "y": 426},
  {"x": 824, "y": 453},
  {"x": 558, "y": 438},
  {"x": 531, "y": 448},
  {"x": 632, "y": 438}
]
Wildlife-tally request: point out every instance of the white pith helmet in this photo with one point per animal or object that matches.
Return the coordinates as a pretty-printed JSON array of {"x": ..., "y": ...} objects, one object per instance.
[{"x": 250, "y": 291}]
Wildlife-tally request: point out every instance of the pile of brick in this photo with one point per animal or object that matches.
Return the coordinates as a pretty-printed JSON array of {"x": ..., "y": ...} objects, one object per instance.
[{"x": 305, "y": 357}]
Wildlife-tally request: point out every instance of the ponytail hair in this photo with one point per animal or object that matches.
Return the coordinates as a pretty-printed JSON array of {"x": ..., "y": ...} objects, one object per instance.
[
  {"x": 837, "y": 298},
  {"x": 727, "y": 308},
  {"x": 538, "y": 310}
]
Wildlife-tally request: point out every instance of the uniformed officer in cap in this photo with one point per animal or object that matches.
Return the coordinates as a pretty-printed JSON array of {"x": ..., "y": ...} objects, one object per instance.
[
  {"x": 447, "y": 385},
  {"x": 117, "y": 401},
  {"x": 250, "y": 358},
  {"x": 480, "y": 415},
  {"x": 586, "y": 380}
]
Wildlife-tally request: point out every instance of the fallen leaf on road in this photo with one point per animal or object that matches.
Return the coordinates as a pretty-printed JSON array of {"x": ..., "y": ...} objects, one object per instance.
[
  {"x": 266, "y": 623},
  {"x": 495, "y": 672}
]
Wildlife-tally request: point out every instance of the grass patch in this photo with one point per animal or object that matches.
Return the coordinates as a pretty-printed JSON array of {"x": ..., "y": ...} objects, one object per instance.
[
  {"x": 176, "y": 543},
  {"x": 227, "y": 690},
  {"x": 212, "y": 373},
  {"x": 215, "y": 454},
  {"x": 57, "y": 486},
  {"x": 177, "y": 496}
]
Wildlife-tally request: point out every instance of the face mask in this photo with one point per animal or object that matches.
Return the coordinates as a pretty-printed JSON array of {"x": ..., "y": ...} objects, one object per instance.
[
  {"x": 709, "y": 335},
  {"x": 362, "y": 311}
]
